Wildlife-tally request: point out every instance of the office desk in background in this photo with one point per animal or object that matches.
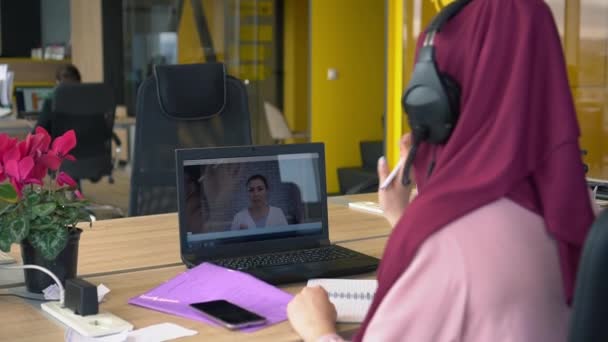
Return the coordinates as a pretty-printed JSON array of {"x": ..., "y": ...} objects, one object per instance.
[
  {"x": 18, "y": 128},
  {"x": 124, "y": 128},
  {"x": 133, "y": 255}
]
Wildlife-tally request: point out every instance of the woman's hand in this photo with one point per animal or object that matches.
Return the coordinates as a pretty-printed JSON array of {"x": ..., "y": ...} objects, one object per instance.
[
  {"x": 394, "y": 198},
  {"x": 311, "y": 314}
]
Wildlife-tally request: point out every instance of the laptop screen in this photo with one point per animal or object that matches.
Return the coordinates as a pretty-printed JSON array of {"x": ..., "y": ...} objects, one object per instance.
[
  {"x": 244, "y": 194},
  {"x": 31, "y": 99}
]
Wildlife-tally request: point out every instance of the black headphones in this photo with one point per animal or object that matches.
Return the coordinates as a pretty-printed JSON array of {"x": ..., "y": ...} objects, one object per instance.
[{"x": 431, "y": 99}]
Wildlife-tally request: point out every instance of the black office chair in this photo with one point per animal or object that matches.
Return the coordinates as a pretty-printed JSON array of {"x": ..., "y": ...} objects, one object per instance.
[
  {"x": 589, "y": 321},
  {"x": 88, "y": 109},
  {"x": 182, "y": 106},
  {"x": 295, "y": 207}
]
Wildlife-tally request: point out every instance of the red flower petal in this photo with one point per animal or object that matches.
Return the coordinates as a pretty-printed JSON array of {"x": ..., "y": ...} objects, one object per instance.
[
  {"x": 65, "y": 179},
  {"x": 51, "y": 161},
  {"x": 25, "y": 167},
  {"x": 11, "y": 168},
  {"x": 65, "y": 143}
]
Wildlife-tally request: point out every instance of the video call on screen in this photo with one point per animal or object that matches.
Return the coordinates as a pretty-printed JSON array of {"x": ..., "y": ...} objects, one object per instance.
[{"x": 249, "y": 198}]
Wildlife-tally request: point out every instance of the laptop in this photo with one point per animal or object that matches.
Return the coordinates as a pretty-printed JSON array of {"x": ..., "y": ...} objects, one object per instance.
[
  {"x": 261, "y": 210},
  {"x": 30, "y": 101}
]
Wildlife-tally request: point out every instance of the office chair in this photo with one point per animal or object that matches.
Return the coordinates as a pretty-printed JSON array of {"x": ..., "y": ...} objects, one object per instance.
[
  {"x": 88, "y": 109},
  {"x": 589, "y": 321},
  {"x": 295, "y": 207},
  {"x": 277, "y": 125},
  {"x": 182, "y": 106}
]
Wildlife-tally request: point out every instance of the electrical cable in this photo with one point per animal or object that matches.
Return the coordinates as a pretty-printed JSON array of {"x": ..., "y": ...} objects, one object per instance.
[{"x": 42, "y": 269}]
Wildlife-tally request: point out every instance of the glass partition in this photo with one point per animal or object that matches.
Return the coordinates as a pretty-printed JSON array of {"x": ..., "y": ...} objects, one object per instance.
[{"x": 246, "y": 35}]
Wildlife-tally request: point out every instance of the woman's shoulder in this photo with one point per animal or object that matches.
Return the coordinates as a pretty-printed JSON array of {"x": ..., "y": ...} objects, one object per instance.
[{"x": 242, "y": 213}]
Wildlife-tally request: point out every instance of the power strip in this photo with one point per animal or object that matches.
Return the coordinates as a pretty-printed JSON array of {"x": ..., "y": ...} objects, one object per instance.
[{"x": 103, "y": 323}]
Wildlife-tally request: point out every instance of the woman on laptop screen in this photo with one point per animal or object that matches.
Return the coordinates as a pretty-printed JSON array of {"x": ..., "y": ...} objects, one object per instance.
[
  {"x": 259, "y": 214},
  {"x": 489, "y": 248}
]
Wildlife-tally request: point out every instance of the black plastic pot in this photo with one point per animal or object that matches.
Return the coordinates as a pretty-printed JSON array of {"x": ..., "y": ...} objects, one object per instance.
[{"x": 64, "y": 266}]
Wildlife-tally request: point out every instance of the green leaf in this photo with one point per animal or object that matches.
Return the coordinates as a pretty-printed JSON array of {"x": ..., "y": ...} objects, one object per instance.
[
  {"x": 5, "y": 239},
  {"x": 49, "y": 242},
  {"x": 44, "y": 209},
  {"x": 8, "y": 193},
  {"x": 18, "y": 229},
  {"x": 33, "y": 198},
  {"x": 5, "y": 206}
]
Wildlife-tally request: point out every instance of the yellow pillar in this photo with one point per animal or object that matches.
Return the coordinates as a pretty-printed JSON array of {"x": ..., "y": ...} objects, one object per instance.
[{"x": 394, "y": 79}]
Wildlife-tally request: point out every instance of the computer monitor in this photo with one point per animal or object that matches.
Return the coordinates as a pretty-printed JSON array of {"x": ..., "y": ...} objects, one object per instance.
[{"x": 30, "y": 100}]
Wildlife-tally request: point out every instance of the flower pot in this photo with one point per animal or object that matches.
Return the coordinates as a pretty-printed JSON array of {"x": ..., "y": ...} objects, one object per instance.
[{"x": 64, "y": 266}]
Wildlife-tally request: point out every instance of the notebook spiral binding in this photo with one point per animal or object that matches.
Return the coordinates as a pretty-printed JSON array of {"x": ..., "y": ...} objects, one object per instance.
[{"x": 354, "y": 295}]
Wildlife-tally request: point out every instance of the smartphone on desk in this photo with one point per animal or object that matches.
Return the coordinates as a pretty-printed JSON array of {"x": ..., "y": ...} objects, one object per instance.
[{"x": 228, "y": 314}]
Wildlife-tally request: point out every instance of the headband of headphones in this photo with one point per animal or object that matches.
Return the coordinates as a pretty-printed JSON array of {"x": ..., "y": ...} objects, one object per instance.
[
  {"x": 431, "y": 98},
  {"x": 446, "y": 14}
]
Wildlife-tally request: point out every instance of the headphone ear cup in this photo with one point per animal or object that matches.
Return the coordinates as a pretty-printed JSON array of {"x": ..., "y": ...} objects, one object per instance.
[{"x": 452, "y": 90}]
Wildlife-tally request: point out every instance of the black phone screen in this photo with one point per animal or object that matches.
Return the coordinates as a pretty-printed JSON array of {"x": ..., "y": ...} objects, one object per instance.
[{"x": 227, "y": 312}]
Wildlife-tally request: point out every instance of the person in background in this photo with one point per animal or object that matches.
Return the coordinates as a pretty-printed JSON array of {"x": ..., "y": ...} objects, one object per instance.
[
  {"x": 489, "y": 248},
  {"x": 66, "y": 73},
  {"x": 259, "y": 214}
]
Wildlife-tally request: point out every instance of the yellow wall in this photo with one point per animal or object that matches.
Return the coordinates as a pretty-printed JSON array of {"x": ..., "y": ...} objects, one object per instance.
[
  {"x": 189, "y": 48},
  {"x": 584, "y": 32},
  {"x": 347, "y": 35},
  {"x": 295, "y": 64}
]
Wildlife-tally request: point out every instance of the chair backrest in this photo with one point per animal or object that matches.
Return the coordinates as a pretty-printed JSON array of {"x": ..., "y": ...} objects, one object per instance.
[
  {"x": 276, "y": 122},
  {"x": 88, "y": 109},
  {"x": 589, "y": 321},
  {"x": 182, "y": 106}
]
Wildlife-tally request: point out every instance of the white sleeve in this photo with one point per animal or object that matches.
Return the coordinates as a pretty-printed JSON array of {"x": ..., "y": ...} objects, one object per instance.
[
  {"x": 237, "y": 221},
  {"x": 428, "y": 301}
]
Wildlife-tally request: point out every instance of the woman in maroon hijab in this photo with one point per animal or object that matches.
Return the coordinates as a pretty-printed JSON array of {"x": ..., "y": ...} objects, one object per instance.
[{"x": 488, "y": 250}]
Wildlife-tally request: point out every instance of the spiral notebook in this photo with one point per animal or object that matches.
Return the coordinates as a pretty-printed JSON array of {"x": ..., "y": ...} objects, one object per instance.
[{"x": 351, "y": 297}]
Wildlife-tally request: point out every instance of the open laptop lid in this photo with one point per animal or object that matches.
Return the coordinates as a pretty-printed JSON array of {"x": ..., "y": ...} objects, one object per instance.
[{"x": 224, "y": 192}]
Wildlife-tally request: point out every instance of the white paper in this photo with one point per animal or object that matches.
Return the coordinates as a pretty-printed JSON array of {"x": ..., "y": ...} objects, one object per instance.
[
  {"x": 154, "y": 333},
  {"x": 73, "y": 336},
  {"x": 160, "y": 332},
  {"x": 369, "y": 206},
  {"x": 351, "y": 297},
  {"x": 52, "y": 292},
  {"x": 102, "y": 290}
]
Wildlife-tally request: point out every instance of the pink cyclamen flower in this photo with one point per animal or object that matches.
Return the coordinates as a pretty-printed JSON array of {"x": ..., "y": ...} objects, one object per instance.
[
  {"x": 65, "y": 179},
  {"x": 59, "y": 150},
  {"x": 19, "y": 173}
]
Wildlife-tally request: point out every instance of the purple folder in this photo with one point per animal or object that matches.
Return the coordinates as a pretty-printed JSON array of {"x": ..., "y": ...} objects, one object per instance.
[{"x": 210, "y": 282}]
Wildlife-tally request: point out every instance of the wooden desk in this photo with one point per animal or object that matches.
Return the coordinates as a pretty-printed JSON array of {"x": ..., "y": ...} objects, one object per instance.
[
  {"x": 17, "y": 128},
  {"x": 20, "y": 321},
  {"x": 136, "y": 243}
]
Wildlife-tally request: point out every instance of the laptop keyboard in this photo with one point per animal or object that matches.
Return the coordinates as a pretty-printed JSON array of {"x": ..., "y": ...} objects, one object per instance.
[{"x": 286, "y": 258}]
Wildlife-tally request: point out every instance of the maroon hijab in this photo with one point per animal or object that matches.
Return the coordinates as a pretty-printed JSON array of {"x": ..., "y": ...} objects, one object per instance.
[{"x": 517, "y": 136}]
